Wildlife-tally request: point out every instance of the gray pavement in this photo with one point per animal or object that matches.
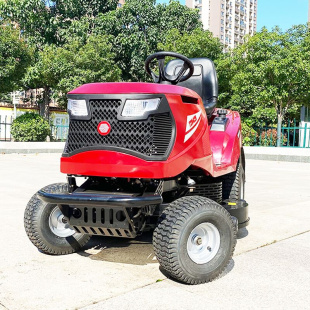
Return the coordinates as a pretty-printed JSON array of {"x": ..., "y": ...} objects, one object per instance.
[{"x": 270, "y": 268}]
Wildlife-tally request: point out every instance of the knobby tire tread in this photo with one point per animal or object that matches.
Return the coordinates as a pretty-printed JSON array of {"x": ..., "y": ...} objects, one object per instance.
[
  {"x": 31, "y": 222},
  {"x": 166, "y": 235}
]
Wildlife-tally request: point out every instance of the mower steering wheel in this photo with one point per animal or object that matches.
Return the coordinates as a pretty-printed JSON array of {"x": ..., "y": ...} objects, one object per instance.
[{"x": 163, "y": 76}]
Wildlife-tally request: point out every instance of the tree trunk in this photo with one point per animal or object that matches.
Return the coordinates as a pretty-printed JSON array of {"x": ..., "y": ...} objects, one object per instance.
[
  {"x": 279, "y": 130},
  {"x": 44, "y": 107}
]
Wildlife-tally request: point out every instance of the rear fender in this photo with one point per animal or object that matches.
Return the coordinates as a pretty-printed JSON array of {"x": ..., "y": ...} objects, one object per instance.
[{"x": 226, "y": 146}]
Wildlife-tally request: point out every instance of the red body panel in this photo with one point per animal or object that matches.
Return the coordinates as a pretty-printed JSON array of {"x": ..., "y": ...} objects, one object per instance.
[
  {"x": 131, "y": 88},
  {"x": 215, "y": 152}
]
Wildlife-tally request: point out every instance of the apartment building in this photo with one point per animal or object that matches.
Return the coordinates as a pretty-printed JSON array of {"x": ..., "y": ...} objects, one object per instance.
[{"x": 229, "y": 20}]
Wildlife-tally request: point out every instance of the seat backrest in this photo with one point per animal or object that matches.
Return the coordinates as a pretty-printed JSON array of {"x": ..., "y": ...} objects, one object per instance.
[{"x": 203, "y": 81}]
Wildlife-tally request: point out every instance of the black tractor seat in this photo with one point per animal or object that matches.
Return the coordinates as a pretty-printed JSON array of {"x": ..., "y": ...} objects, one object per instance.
[{"x": 203, "y": 81}]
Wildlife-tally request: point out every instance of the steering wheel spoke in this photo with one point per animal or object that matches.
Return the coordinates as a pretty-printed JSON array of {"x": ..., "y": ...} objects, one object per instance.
[
  {"x": 163, "y": 76},
  {"x": 181, "y": 72}
]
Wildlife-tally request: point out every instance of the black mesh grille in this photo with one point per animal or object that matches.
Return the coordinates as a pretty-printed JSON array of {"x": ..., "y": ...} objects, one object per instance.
[
  {"x": 209, "y": 190},
  {"x": 149, "y": 137}
]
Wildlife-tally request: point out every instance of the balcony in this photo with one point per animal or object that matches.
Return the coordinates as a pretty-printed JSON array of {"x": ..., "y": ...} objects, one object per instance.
[
  {"x": 237, "y": 10},
  {"x": 242, "y": 12},
  {"x": 237, "y": 17}
]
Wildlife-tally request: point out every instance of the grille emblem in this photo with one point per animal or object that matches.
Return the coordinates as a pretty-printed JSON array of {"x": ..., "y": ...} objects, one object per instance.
[{"x": 104, "y": 128}]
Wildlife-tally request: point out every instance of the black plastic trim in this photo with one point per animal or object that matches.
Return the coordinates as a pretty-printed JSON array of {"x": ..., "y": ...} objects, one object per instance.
[
  {"x": 100, "y": 200},
  {"x": 238, "y": 209},
  {"x": 162, "y": 108}
]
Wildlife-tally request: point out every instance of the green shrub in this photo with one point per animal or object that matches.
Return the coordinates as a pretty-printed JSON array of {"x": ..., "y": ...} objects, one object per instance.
[
  {"x": 249, "y": 135},
  {"x": 30, "y": 127}
]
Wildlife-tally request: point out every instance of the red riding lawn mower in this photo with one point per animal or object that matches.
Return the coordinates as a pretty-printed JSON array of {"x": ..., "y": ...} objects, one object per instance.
[{"x": 154, "y": 156}]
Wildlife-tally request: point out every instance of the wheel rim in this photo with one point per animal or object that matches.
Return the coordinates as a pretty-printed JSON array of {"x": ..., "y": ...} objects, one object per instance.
[
  {"x": 58, "y": 224},
  {"x": 203, "y": 243}
]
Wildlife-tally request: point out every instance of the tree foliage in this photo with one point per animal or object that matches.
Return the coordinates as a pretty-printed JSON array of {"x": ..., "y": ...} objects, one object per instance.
[
  {"x": 15, "y": 56},
  {"x": 198, "y": 43},
  {"x": 62, "y": 68},
  {"x": 268, "y": 77},
  {"x": 139, "y": 27},
  {"x": 45, "y": 22}
]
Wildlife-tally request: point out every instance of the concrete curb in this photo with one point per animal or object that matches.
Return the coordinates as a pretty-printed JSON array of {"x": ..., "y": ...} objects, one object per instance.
[
  {"x": 31, "y": 147},
  {"x": 259, "y": 153},
  {"x": 278, "y": 154}
]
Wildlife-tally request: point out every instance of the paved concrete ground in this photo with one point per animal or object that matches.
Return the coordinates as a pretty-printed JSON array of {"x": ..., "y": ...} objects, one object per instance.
[{"x": 270, "y": 268}]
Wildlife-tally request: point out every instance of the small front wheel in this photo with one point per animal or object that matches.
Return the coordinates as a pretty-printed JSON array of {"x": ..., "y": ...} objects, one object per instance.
[
  {"x": 194, "y": 240},
  {"x": 47, "y": 228}
]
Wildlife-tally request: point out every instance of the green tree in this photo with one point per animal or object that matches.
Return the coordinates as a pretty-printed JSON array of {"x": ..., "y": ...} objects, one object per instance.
[
  {"x": 139, "y": 27},
  {"x": 50, "y": 27},
  {"x": 272, "y": 76},
  {"x": 15, "y": 56},
  {"x": 60, "y": 69},
  {"x": 198, "y": 43},
  {"x": 45, "y": 22}
]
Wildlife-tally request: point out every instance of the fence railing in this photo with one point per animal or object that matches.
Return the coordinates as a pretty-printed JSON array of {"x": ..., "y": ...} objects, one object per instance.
[
  {"x": 59, "y": 132},
  {"x": 291, "y": 136},
  {"x": 5, "y": 128}
]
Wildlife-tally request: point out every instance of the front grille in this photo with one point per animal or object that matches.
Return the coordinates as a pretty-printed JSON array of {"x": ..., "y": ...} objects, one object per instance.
[
  {"x": 149, "y": 137},
  {"x": 208, "y": 190}
]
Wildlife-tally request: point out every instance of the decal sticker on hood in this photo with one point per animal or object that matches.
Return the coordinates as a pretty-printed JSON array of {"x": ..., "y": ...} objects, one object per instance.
[{"x": 192, "y": 124}]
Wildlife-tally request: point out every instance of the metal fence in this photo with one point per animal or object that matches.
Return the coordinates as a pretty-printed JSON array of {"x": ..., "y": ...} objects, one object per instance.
[
  {"x": 291, "y": 136},
  {"x": 59, "y": 132},
  {"x": 5, "y": 128}
]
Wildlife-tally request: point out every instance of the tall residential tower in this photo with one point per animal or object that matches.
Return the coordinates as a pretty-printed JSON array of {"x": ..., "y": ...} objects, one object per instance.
[{"x": 229, "y": 20}]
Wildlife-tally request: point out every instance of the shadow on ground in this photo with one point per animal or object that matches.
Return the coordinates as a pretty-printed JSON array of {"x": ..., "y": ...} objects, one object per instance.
[{"x": 137, "y": 251}]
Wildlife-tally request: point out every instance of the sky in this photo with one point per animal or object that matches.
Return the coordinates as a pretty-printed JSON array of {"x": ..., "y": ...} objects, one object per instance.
[{"x": 283, "y": 13}]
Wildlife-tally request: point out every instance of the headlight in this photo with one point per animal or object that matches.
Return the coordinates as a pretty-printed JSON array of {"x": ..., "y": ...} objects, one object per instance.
[
  {"x": 77, "y": 107},
  {"x": 140, "y": 107}
]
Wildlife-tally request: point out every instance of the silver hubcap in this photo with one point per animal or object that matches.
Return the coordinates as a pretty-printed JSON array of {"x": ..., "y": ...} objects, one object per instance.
[
  {"x": 203, "y": 243},
  {"x": 58, "y": 224}
]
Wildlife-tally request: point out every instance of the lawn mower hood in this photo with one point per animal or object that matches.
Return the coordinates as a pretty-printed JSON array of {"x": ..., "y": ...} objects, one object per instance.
[{"x": 140, "y": 130}]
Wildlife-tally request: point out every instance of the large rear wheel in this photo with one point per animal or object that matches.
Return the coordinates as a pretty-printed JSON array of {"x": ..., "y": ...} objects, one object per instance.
[
  {"x": 194, "y": 240},
  {"x": 47, "y": 228}
]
